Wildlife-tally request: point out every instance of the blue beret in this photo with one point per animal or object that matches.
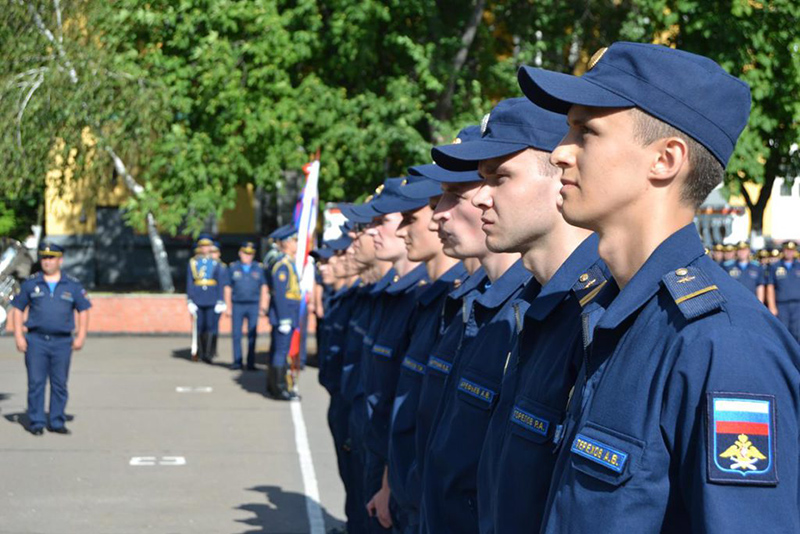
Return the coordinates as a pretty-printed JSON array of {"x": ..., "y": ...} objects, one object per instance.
[
  {"x": 440, "y": 174},
  {"x": 689, "y": 92},
  {"x": 50, "y": 250},
  {"x": 513, "y": 125},
  {"x": 248, "y": 247}
]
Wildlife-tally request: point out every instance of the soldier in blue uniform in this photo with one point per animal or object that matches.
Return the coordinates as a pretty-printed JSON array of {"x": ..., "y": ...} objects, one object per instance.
[
  {"x": 284, "y": 313},
  {"x": 246, "y": 298},
  {"x": 784, "y": 289},
  {"x": 220, "y": 307},
  {"x": 204, "y": 278},
  {"x": 747, "y": 271},
  {"x": 500, "y": 484},
  {"x": 718, "y": 253},
  {"x": 52, "y": 298},
  {"x": 422, "y": 245},
  {"x": 685, "y": 414}
]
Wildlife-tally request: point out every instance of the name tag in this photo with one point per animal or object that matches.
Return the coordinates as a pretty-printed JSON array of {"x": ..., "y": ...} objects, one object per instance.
[
  {"x": 599, "y": 453},
  {"x": 476, "y": 390},
  {"x": 380, "y": 350},
  {"x": 413, "y": 365},
  {"x": 439, "y": 365},
  {"x": 529, "y": 421}
]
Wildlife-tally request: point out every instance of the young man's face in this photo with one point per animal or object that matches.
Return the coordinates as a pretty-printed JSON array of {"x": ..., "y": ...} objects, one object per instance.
[
  {"x": 246, "y": 258},
  {"x": 729, "y": 255},
  {"x": 604, "y": 167},
  {"x": 458, "y": 221},
  {"x": 51, "y": 265},
  {"x": 518, "y": 199},
  {"x": 789, "y": 254},
  {"x": 363, "y": 249},
  {"x": 290, "y": 246},
  {"x": 421, "y": 241},
  {"x": 326, "y": 271},
  {"x": 388, "y": 247},
  {"x": 743, "y": 254},
  {"x": 717, "y": 255}
]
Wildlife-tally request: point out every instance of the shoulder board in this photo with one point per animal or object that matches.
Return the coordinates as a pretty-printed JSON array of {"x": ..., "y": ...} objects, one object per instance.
[
  {"x": 277, "y": 266},
  {"x": 73, "y": 279},
  {"x": 589, "y": 284},
  {"x": 693, "y": 291}
]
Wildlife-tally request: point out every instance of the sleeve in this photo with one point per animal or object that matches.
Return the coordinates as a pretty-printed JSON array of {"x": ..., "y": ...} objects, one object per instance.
[
  {"x": 22, "y": 299},
  {"x": 189, "y": 280},
  {"x": 769, "y": 275},
  {"x": 226, "y": 277},
  {"x": 280, "y": 283},
  {"x": 82, "y": 302},
  {"x": 721, "y": 493},
  {"x": 263, "y": 277},
  {"x": 761, "y": 278}
]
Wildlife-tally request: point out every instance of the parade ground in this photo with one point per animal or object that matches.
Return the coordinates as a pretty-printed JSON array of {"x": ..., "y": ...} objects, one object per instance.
[{"x": 161, "y": 444}]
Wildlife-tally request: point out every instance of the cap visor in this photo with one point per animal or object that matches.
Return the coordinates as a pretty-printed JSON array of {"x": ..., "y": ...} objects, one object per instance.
[
  {"x": 465, "y": 156},
  {"x": 442, "y": 175},
  {"x": 398, "y": 204},
  {"x": 556, "y": 91}
]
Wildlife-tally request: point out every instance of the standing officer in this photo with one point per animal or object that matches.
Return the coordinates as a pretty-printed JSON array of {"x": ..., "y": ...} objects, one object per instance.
[
  {"x": 685, "y": 415},
  {"x": 728, "y": 253},
  {"x": 203, "y": 280},
  {"x": 718, "y": 253},
  {"x": 284, "y": 309},
  {"x": 784, "y": 289},
  {"x": 52, "y": 298},
  {"x": 219, "y": 290},
  {"x": 747, "y": 271},
  {"x": 246, "y": 298}
]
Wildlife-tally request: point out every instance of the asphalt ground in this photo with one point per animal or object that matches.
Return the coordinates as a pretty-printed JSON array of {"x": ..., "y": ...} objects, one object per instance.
[{"x": 162, "y": 444}]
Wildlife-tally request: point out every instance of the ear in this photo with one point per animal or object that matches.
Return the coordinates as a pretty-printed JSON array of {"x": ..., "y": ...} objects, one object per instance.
[{"x": 671, "y": 157}]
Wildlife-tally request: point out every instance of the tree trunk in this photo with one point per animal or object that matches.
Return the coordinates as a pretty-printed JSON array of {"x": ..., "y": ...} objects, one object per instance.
[
  {"x": 758, "y": 207},
  {"x": 156, "y": 243}
]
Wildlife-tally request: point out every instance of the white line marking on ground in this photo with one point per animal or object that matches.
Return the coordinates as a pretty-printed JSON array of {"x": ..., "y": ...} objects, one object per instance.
[
  {"x": 189, "y": 389},
  {"x": 310, "y": 487}
]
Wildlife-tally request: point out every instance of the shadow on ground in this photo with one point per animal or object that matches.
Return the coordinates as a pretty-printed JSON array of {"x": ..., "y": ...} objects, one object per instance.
[
  {"x": 281, "y": 512},
  {"x": 21, "y": 418}
]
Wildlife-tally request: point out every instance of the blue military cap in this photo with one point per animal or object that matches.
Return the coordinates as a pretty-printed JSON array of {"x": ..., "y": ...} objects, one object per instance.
[
  {"x": 367, "y": 211},
  {"x": 440, "y": 174},
  {"x": 215, "y": 245},
  {"x": 513, "y": 125},
  {"x": 359, "y": 213},
  {"x": 321, "y": 253},
  {"x": 50, "y": 250},
  {"x": 284, "y": 232},
  {"x": 340, "y": 243},
  {"x": 690, "y": 92},
  {"x": 204, "y": 240},
  {"x": 414, "y": 192},
  {"x": 248, "y": 247}
]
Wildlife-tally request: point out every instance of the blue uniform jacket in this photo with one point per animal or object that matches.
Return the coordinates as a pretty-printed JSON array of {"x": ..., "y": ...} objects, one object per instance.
[
  {"x": 204, "y": 281},
  {"x": 750, "y": 274},
  {"x": 51, "y": 313},
  {"x": 386, "y": 355},
  {"x": 331, "y": 356},
  {"x": 688, "y": 421},
  {"x": 245, "y": 286},
  {"x": 517, "y": 458},
  {"x": 285, "y": 302},
  {"x": 440, "y": 362},
  {"x": 786, "y": 280},
  {"x": 351, "y": 385},
  {"x": 423, "y": 332},
  {"x": 451, "y": 465}
]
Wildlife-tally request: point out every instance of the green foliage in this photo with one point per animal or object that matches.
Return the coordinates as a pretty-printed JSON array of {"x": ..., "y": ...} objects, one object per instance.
[{"x": 199, "y": 96}]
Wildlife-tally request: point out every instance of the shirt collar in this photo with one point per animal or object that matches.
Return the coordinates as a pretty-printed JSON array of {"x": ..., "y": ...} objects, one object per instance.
[
  {"x": 383, "y": 283},
  {"x": 559, "y": 286},
  {"x": 472, "y": 282},
  {"x": 678, "y": 250},
  {"x": 502, "y": 288},
  {"x": 442, "y": 284},
  {"x": 409, "y": 280}
]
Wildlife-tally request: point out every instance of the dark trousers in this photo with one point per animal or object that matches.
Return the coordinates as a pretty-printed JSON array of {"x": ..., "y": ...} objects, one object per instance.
[
  {"x": 281, "y": 345},
  {"x": 207, "y": 320},
  {"x": 789, "y": 315},
  {"x": 47, "y": 357},
  {"x": 242, "y": 311}
]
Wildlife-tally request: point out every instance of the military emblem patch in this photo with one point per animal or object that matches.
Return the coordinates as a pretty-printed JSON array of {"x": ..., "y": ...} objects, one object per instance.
[{"x": 741, "y": 439}]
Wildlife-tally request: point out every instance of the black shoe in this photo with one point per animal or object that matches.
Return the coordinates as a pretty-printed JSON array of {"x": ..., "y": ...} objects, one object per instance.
[
  {"x": 251, "y": 367},
  {"x": 36, "y": 431},
  {"x": 60, "y": 430},
  {"x": 236, "y": 366}
]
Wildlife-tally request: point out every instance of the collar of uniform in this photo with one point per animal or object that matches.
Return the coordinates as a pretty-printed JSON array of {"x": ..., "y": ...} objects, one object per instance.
[
  {"x": 383, "y": 283},
  {"x": 409, "y": 280},
  {"x": 678, "y": 250},
  {"x": 472, "y": 282},
  {"x": 554, "y": 291},
  {"x": 444, "y": 282},
  {"x": 502, "y": 288}
]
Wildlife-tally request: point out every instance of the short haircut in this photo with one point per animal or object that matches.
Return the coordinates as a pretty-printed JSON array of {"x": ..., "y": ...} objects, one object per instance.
[
  {"x": 705, "y": 171},
  {"x": 546, "y": 168}
]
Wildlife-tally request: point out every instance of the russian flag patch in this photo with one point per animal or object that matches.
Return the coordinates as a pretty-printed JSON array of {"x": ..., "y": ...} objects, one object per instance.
[{"x": 741, "y": 439}]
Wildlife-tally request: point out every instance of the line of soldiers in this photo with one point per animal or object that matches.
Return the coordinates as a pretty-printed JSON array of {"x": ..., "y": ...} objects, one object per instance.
[
  {"x": 245, "y": 290},
  {"x": 772, "y": 275},
  {"x": 528, "y": 335}
]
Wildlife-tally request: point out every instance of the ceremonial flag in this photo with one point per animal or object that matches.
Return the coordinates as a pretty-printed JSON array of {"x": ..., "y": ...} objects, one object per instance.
[{"x": 305, "y": 220}]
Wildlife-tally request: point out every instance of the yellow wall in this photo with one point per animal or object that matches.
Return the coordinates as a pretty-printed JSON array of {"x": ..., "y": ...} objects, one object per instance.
[{"x": 242, "y": 218}]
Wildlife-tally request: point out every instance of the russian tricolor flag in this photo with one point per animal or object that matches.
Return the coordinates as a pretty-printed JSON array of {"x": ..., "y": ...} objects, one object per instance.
[{"x": 742, "y": 416}]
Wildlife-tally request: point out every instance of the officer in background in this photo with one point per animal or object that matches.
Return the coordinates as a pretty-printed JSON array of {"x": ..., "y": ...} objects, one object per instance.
[
  {"x": 52, "y": 298},
  {"x": 204, "y": 279},
  {"x": 728, "y": 253},
  {"x": 783, "y": 290},
  {"x": 220, "y": 307},
  {"x": 747, "y": 271},
  {"x": 246, "y": 297},
  {"x": 284, "y": 306},
  {"x": 718, "y": 253},
  {"x": 685, "y": 414}
]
